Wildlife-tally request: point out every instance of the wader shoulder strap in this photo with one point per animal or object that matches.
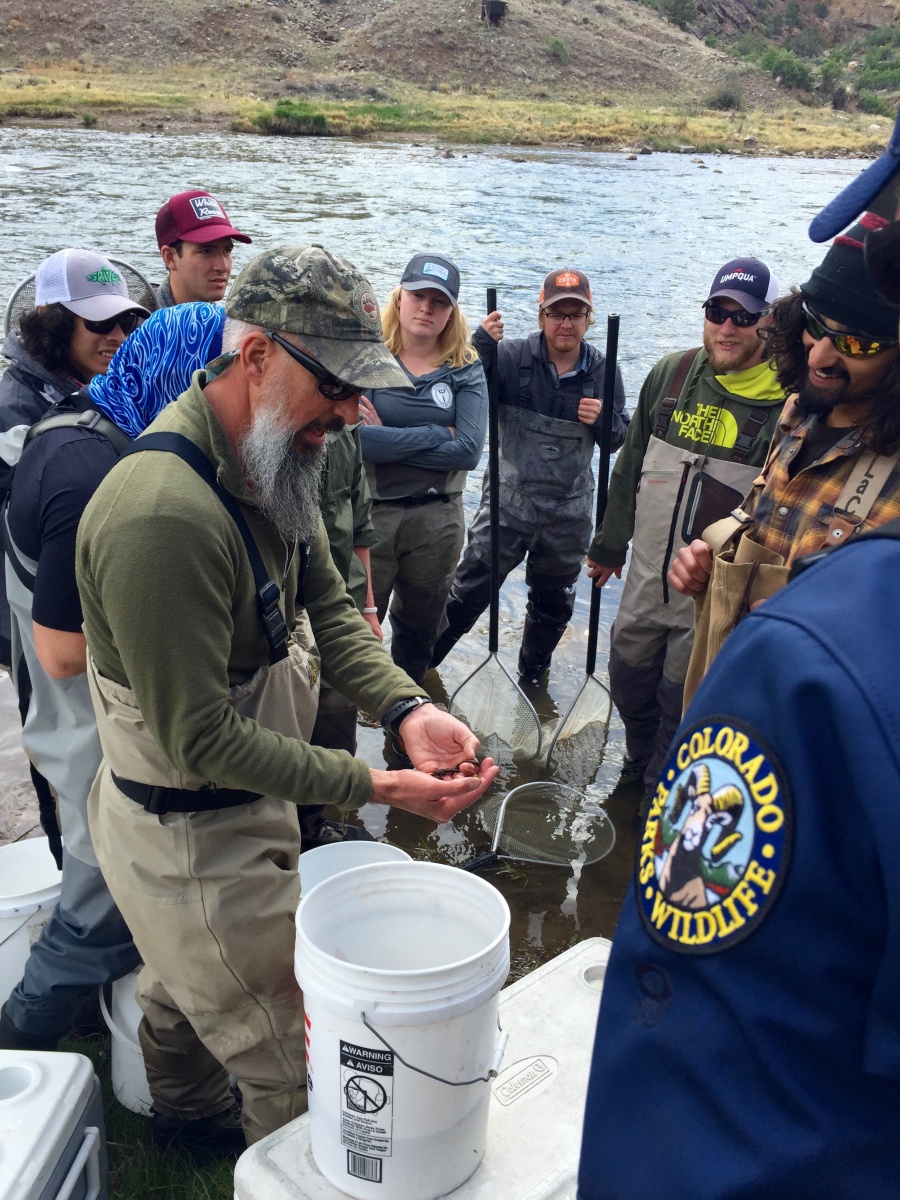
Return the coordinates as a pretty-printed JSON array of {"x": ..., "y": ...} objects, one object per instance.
[
  {"x": 867, "y": 479},
  {"x": 267, "y": 591},
  {"x": 891, "y": 529},
  {"x": 24, "y": 574},
  {"x": 88, "y": 418},
  {"x": 526, "y": 366},
  {"x": 743, "y": 443},
  {"x": 664, "y": 416}
]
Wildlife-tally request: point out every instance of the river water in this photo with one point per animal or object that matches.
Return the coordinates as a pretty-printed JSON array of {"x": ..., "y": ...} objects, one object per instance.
[{"x": 650, "y": 234}]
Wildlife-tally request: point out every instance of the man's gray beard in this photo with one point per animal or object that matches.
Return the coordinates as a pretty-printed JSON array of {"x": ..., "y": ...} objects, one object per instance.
[{"x": 285, "y": 475}]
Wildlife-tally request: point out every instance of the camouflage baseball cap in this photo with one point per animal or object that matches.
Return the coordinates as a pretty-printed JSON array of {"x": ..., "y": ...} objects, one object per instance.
[{"x": 326, "y": 301}]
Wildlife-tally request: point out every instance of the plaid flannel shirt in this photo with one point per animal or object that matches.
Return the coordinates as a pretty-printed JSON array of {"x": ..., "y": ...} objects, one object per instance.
[{"x": 791, "y": 516}]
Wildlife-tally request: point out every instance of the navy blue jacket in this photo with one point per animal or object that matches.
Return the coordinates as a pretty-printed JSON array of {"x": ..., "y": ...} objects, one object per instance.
[{"x": 748, "y": 1044}]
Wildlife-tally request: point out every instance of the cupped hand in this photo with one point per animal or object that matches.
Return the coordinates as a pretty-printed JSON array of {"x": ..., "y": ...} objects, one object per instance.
[
  {"x": 433, "y": 738},
  {"x": 437, "y": 800},
  {"x": 691, "y": 568}
]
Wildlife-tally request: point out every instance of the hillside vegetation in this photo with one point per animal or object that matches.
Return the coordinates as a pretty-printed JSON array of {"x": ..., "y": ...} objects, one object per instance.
[{"x": 609, "y": 72}]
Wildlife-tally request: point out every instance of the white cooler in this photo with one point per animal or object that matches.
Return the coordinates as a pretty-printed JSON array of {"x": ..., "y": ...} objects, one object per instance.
[
  {"x": 537, "y": 1102},
  {"x": 52, "y": 1140}
]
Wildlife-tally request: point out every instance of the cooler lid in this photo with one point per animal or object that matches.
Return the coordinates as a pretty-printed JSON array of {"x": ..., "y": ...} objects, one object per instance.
[{"x": 43, "y": 1096}]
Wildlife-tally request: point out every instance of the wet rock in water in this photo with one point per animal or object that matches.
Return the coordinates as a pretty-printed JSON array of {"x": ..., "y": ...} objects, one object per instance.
[
  {"x": 702, "y": 167},
  {"x": 644, "y": 150},
  {"x": 631, "y": 158}
]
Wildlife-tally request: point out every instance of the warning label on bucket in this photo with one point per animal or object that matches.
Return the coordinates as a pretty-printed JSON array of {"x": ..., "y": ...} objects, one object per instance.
[{"x": 367, "y": 1092}]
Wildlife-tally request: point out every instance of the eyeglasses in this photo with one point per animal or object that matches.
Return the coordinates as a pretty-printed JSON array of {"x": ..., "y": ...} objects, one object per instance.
[
  {"x": 739, "y": 317},
  {"x": 882, "y": 248},
  {"x": 330, "y": 386},
  {"x": 126, "y": 321},
  {"x": 851, "y": 345},
  {"x": 557, "y": 318}
]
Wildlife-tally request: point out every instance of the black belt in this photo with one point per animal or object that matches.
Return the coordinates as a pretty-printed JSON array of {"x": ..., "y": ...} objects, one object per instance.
[
  {"x": 160, "y": 800},
  {"x": 415, "y": 501}
]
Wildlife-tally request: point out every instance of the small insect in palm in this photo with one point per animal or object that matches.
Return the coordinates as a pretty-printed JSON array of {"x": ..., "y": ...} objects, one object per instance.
[{"x": 449, "y": 772}]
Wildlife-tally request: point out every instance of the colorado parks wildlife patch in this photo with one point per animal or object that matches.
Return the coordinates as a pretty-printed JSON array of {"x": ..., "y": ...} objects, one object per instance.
[{"x": 716, "y": 841}]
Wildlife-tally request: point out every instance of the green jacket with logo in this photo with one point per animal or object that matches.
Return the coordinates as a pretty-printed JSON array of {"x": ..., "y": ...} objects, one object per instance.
[
  {"x": 170, "y": 611},
  {"x": 706, "y": 420}
]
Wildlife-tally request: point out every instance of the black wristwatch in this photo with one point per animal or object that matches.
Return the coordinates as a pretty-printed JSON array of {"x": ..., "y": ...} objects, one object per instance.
[{"x": 396, "y": 713}]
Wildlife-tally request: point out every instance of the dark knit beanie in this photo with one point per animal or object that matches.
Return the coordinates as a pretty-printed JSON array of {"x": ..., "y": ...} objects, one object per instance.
[{"x": 840, "y": 287}]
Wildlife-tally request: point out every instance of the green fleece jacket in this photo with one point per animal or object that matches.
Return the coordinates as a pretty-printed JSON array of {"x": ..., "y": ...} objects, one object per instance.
[
  {"x": 706, "y": 420},
  {"x": 170, "y": 611}
]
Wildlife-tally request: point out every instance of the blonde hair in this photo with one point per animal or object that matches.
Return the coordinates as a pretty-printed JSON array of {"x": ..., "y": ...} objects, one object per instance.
[{"x": 454, "y": 347}]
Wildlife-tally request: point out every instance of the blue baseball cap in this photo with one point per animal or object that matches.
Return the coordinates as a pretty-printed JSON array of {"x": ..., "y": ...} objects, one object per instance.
[{"x": 864, "y": 194}]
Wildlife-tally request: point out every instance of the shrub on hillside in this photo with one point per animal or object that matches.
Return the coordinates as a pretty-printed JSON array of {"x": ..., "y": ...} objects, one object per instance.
[
  {"x": 787, "y": 67},
  {"x": 556, "y": 48},
  {"x": 870, "y": 103},
  {"x": 680, "y": 12},
  {"x": 728, "y": 96}
]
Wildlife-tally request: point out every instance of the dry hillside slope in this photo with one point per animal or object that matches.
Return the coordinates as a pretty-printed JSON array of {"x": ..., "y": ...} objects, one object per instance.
[{"x": 545, "y": 48}]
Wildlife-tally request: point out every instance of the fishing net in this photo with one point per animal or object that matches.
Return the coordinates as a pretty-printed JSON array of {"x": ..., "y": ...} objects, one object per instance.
[
  {"x": 494, "y": 707},
  {"x": 547, "y": 822},
  {"x": 22, "y": 299},
  {"x": 576, "y": 751}
]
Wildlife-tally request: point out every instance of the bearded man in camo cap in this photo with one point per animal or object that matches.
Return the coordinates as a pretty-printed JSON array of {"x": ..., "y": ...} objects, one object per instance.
[{"x": 211, "y": 604}]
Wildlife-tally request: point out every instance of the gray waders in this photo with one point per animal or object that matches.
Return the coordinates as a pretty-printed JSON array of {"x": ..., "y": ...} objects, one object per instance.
[
  {"x": 86, "y": 942},
  {"x": 680, "y": 492},
  {"x": 546, "y": 489}
]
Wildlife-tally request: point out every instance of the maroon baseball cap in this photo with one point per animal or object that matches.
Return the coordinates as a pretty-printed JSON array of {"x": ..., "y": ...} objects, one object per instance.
[{"x": 194, "y": 217}]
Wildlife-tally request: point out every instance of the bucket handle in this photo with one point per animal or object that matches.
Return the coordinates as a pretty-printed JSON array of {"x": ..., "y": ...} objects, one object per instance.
[{"x": 492, "y": 1070}]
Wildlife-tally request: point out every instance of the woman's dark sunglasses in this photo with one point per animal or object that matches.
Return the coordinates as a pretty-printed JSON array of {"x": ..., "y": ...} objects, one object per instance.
[
  {"x": 883, "y": 260},
  {"x": 126, "y": 321},
  {"x": 739, "y": 316},
  {"x": 330, "y": 386},
  {"x": 851, "y": 345}
]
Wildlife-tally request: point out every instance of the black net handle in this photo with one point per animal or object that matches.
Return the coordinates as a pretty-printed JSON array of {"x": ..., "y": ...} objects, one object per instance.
[
  {"x": 606, "y": 420},
  {"x": 494, "y": 486}
]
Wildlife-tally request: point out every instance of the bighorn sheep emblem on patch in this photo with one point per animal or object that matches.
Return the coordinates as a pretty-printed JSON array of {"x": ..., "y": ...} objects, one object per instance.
[{"x": 681, "y": 879}]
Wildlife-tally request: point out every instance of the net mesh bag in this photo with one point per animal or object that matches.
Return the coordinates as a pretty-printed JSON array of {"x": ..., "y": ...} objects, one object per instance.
[
  {"x": 547, "y": 822},
  {"x": 496, "y": 710}
]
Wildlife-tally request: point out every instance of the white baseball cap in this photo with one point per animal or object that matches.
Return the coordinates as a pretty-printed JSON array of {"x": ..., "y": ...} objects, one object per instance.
[{"x": 84, "y": 282}]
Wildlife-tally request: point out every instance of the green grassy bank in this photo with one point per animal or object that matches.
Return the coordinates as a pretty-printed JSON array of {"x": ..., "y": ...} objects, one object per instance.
[{"x": 92, "y": 98}]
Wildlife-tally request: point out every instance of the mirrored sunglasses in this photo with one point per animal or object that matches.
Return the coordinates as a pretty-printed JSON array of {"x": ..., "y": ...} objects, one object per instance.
[{"x": 851, "y": 345}]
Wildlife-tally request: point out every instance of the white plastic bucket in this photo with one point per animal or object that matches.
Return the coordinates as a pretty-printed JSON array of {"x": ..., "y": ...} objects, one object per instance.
[
  {"x": 129, "y": 1078},
  {"x": 401, "y": 966},
  {"x": 29, "y": 890},
  {"x": 325, "y": 861}
]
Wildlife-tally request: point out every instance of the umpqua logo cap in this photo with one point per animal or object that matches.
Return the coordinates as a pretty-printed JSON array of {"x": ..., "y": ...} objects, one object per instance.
[{"x": 746, "y": 280}]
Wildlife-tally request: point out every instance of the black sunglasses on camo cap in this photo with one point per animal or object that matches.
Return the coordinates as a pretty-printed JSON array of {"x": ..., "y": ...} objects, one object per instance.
[
  {"x": 851, "y": 345},
  {"x": 740, "y": 318},
  {"x": 126, "y": 321},
  {"x": 330, "y": 386},
  {"x": 882, "y": 250}
]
